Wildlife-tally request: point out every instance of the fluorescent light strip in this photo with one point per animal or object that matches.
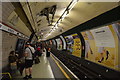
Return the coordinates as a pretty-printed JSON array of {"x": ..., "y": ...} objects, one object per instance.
[
  {"x": 64, "y": 15},
  {"x": 72, "y": 5},
  {"x": 69, "y": 8}
]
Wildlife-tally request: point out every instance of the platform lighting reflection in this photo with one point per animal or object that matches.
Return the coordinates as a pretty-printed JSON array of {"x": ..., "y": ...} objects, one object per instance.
[{"x": 65, "y": 13}]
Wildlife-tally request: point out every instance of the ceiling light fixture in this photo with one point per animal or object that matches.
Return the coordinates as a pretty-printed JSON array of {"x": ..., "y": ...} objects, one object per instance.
[
  {"x": 64, "y": 15},
  {"x": 72, "y": 4},
  {"x": 67, "y": 10}
]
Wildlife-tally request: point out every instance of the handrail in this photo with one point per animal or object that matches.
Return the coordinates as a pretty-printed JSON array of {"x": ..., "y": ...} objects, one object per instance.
[{"x": 8, "y": 74}]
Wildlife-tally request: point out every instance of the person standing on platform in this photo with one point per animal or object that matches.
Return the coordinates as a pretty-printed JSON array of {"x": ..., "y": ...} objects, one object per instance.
[
  {"x": 48, "y": 52},
  {"x": 13, "y": 62},
  {"x": 28, "y": 61}
]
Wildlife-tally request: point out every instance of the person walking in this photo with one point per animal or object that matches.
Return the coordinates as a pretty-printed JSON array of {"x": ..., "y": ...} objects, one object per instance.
[{"x": 29, "y": 51}]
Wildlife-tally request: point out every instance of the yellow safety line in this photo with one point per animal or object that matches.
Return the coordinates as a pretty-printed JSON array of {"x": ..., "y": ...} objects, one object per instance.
[{"x": 61, "y": 69}]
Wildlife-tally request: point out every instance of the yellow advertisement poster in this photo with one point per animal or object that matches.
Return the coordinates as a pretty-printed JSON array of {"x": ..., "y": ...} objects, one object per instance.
[
  {"x": 89, "y": 45},
  {"x": 102, "y": 47},
  {"x": 105, "y": 46},
  {"x": 76, "y": 46}
]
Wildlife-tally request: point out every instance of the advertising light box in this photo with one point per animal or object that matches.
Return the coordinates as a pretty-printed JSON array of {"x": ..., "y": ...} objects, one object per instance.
[
  {"x": 59, "y": 44},
  {"x": 101, "y": 45}
]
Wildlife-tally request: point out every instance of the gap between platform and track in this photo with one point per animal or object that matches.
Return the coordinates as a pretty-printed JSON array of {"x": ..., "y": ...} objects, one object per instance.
[
  {"x": 61, "y": 69},
  {"x": 66, "y": 75}
]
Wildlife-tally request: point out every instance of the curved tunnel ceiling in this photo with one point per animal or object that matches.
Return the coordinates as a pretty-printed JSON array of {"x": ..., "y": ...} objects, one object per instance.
[{"x": 81, "y": 12}]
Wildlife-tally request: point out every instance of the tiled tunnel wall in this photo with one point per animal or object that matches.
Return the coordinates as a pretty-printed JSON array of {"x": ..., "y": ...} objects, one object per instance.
[
  {"x": 0, "y": 50},
  {"x": 8, "y": 44}
]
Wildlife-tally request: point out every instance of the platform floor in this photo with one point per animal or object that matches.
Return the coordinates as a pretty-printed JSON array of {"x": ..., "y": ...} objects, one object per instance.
[
  {"x": 46, "y": 69},
  {"x": 43, "y": 69}
]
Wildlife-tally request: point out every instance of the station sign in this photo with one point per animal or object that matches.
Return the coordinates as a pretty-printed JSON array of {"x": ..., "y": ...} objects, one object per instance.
[
  {"x": 10, "y": 30},
  {"x": 5, "y": 28}
]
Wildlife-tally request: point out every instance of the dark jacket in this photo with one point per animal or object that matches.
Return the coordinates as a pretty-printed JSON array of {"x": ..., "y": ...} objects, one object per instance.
[{"x": 12, "y": 59}]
